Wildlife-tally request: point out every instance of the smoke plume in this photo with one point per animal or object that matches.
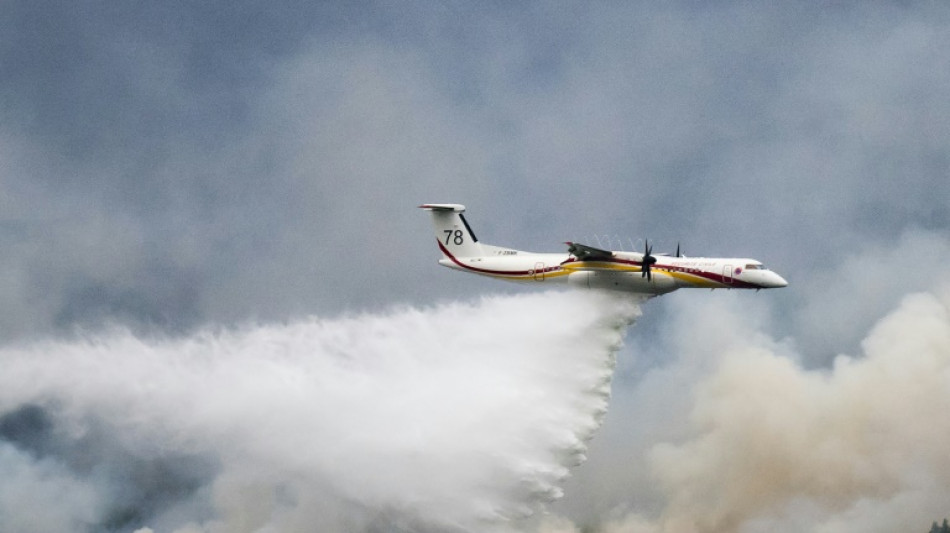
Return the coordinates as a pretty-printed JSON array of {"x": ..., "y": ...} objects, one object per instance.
[
  {"x": 772, "y": 446},
  {"x": 460, "y": 417}
]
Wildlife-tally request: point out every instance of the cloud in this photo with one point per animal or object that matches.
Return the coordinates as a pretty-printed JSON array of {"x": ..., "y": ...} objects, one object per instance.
[
  {"x": 445, "y": 418},
  {"x": 189, "y": 165},
  {"x": 839, "y": 304}
]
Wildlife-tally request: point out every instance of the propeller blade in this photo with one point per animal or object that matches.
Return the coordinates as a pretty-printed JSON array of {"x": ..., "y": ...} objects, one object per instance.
[
  {"x": 678, "y": 250},
  {"x": 644, "y": 266},
  {"x": 648, "y": 260}
]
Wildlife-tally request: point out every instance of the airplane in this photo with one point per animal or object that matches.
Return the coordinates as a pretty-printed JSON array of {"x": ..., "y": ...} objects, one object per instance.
[{"x": 592, "y": 268}]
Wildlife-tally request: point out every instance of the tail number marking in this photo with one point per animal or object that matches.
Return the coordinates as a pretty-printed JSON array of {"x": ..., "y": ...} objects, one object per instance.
[{"x": 454, "y": 236}]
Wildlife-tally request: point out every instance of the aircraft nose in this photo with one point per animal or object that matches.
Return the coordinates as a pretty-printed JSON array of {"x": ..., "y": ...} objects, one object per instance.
[{"x": 777, "y": 281}]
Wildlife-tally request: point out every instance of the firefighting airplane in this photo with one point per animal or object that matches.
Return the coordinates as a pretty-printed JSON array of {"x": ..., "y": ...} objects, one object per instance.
[{"x": 588, "y": 267}]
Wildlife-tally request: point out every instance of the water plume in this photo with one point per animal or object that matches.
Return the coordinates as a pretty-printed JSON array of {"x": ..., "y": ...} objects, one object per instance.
[{"x": 460, "y": 417}]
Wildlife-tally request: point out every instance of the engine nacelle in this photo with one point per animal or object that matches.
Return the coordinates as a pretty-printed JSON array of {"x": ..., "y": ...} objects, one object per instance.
[{"x": 622, "y": 281}]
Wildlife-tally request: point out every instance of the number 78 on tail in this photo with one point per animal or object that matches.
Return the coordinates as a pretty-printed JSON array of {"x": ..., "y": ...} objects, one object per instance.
[{"x": 592, "y": 268}]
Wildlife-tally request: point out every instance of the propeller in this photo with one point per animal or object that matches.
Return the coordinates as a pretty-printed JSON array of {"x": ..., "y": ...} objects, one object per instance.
[
  {"x": 648, "y": 260},
  {"x": 678, "y": 250}
]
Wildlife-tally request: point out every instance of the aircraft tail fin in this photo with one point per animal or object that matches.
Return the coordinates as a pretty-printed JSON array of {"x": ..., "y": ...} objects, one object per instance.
[{"x": 454, "y": 235}]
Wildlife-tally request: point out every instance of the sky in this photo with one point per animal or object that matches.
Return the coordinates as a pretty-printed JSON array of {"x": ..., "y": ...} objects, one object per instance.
[{"x": 181, "y": 174}]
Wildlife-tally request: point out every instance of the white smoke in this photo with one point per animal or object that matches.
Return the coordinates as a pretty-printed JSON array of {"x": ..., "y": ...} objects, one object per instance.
[
  {"x": 460, "y": 417},
  {"x": 772, "y": 446}
]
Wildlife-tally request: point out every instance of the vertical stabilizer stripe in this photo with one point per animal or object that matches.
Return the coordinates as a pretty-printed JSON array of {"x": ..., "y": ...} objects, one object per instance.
[{"x": 469, "y": 228}]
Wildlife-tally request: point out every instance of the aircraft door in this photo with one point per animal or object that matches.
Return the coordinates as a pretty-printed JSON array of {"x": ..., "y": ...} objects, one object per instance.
[
  {"x": 727, "y": 274},
  {"x": 539, "y": 272}
]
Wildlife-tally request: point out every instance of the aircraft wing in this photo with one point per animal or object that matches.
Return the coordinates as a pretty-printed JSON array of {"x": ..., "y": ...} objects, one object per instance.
[{"x": 587, "y": 253}]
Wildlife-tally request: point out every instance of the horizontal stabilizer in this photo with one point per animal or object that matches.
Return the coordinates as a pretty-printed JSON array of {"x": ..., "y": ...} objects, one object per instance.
[{"x": 454, "y": 208}]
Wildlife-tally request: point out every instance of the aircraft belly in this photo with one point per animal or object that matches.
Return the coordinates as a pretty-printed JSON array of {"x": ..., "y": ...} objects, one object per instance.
[{"x": 622, "y": 281}]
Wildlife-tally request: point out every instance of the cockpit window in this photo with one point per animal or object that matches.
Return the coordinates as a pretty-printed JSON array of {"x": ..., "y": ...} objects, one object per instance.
[{"x": 753, "y": 267}]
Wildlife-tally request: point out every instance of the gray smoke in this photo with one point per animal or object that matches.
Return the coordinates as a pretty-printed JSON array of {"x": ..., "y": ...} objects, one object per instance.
[{"x": 756, "y": 441}]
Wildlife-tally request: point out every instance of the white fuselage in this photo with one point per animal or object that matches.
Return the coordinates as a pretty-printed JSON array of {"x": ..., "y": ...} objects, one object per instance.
[
  {"x": 589, "y": 267},
  {"x": 622, "y": 272}
]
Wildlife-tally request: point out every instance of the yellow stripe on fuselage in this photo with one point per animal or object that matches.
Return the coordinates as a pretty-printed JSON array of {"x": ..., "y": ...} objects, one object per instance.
[
  {"x": 601, "y": 265},
  {"x": 695, "y": 280},
  {"x": 692, "y": 279}
]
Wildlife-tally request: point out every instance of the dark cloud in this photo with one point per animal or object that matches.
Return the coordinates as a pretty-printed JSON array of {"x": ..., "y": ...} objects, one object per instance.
[
  {"x": 136, "y": 483},
  {"x": 254, "y": 152}
]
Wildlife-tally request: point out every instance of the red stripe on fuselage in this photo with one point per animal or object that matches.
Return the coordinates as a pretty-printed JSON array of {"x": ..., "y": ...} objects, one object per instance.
[{"x": 448, "y": 254}]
